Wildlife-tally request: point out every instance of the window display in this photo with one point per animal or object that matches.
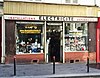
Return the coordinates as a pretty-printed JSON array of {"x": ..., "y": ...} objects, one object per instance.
[
  {"x": 29, "y": 37},
  {"x": 76, "y": 37}
]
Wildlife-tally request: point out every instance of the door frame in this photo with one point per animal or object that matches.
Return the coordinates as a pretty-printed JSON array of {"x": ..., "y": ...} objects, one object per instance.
[{"x": 46, "y": 40}]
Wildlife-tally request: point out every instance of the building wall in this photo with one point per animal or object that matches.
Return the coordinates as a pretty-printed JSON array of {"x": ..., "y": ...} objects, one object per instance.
[
  {"x": 26, "y": 58},
  {"x": 76, "y": 57},
  {"x": 26, "y": 8},
  {"x": 92, "y": 37},
  {"x": 10, "y": 38}
]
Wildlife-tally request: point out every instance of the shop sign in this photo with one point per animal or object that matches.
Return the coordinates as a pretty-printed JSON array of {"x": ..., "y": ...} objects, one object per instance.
[
  {"x": 49, "y": 18},
  {"x": 17, "y": 17},
  {"x": 84, "y": 19},
  {"x": 55, "y": 18},
  {"x": 30, "y": 31}
]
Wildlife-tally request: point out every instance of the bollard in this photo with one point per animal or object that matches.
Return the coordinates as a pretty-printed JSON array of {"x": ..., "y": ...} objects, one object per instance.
[
  {"x": 14, "y": 66},
  {"x": 53, "y": 64},
  {"x": 87, "y": 64}
]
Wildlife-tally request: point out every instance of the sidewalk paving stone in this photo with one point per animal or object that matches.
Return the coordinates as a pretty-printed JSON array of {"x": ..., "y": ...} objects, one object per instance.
[{"x": 46, "y": 70}]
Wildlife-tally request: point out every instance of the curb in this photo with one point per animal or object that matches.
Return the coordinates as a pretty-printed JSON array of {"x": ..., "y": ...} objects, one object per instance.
[{"x": 59, "y": 76}]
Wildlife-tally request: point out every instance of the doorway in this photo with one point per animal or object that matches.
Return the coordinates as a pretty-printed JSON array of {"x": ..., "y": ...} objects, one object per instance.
[
  {"x": 54, "y": 46},
  {"x": 54, "y": 36}
]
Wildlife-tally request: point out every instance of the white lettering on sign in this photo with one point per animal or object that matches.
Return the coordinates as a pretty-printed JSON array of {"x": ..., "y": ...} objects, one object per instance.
[
  {"x": 84, "y": 19},
  {"x": 49, "y": 18},
  {"x": 15, "y": 17},
  {"x": 55, "y": 18}
]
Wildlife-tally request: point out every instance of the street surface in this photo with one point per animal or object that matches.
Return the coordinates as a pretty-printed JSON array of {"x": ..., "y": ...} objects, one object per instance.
[{"x": 46, "y": 70}]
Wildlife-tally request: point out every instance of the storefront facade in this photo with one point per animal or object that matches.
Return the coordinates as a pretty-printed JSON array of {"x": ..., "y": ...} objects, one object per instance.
[
  {"x": 40, "y": 31},
  {"x": 39, "y": 38}
]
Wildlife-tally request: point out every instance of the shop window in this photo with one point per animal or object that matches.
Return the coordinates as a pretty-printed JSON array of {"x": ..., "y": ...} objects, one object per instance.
[
  {"x": 67, "y": 1},
  {"x": 71, "y": 1},
  {"x": 38, "y": 0},
  {"x": 29, "y": 37},
  {"x": 76, "y": 37},
  {"x": 75, "y": 1}
]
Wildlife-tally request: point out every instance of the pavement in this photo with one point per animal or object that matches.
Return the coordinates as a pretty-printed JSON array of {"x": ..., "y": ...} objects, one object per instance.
[{"x": 66, "y": 70}]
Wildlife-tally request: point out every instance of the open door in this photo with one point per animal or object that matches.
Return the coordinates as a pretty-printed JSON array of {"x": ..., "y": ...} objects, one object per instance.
[
  {"x": 54, "y": 46},
  {"x": 54, "y": 36}
]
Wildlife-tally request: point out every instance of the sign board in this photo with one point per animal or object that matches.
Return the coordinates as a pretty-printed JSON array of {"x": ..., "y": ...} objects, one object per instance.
[
  {"x": 49, "y": 18},
  {"x": 30, "y": 31},
  {"x": 84, "y": 19},
  {"x": 18, "y": 17}
]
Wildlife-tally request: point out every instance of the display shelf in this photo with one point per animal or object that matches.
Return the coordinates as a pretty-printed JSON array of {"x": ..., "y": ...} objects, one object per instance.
[{"x": 74, "y": 43}]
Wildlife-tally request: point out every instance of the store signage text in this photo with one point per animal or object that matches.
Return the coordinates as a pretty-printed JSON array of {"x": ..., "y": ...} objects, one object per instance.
[
  {"x": 15, "y": 17},
  {"x": 84, "y": 19},
  {"x": 49, "y": 18},
  {"x": 30, "y": 31},
  {"x": 55, "y": 18},
  {"x": 22, "y": 18}
]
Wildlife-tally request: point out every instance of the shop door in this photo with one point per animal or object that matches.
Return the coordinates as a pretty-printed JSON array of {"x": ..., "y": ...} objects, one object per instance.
[
  {"x": 54, "y": 46},
  {"x": 98, "y": 46},
  {"x": 0, "y": 38}
]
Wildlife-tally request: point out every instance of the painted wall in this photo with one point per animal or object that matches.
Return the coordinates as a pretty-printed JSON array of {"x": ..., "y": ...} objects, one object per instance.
[
  {"x": 81, "y": 2},
  {"x": 48, "y": 9}
]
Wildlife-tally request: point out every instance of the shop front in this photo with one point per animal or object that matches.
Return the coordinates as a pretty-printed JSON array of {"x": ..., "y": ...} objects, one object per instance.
[{"x": 39, "y": 38}]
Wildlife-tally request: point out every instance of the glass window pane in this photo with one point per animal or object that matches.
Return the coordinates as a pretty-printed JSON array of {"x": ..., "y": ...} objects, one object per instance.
[
  {"x": 29, "y": 38},
  {"x": 76, "y": 37}
]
